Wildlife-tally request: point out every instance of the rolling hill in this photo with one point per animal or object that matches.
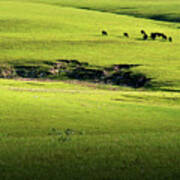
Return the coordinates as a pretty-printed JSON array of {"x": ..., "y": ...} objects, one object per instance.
[{"x": 61, "y": 127}]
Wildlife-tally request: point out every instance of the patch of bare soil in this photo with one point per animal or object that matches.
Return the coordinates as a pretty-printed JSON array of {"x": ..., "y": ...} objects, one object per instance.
[{"x": 118, "y": 74}]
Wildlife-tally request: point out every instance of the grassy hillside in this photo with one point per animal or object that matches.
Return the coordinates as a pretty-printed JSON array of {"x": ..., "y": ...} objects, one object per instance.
[
  {"x": 123, "y": 135},
  {"x": 166, "y": 10},
  {"x": 80, "y": 130},
  {"x": 41, "y": 32}
]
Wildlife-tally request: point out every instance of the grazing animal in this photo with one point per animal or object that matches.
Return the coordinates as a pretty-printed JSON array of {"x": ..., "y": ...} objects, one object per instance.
[
  {"x": 126, "y": 34},
  {"x": 104, "y": 33},
  {"x": 157, "y": 34},
  {"x": 143, "y": 32},
  {"x": 153, "y": 36},
  {"x": 145, "y": 36},
  {"x": 170, "y": 39},
  {"x": 164, "y": 36}
]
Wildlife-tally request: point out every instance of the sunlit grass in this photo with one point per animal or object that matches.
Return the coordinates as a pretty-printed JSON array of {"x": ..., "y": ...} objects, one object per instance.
[
  {"x": 135, "y": 131},
  {"x": 115, "y": 132},
  {"x": 34, "y": 35}
]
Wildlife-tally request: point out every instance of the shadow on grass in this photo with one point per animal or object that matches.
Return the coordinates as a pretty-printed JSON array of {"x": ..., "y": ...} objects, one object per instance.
[
  {"x": 118, "y": 74},
  {"x": 171, "y": 90},
  {"x": 161, "y": 86},
  {"x": 104, "y": 10},
  {"x": 151, "y": 40},
  {"x": 165, "y": 17},
  {"x": 63, "y": 69},
  {"x": 130, "y": 11}
]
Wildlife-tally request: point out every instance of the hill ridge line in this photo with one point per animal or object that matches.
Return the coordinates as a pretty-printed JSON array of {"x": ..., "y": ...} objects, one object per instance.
[{"x": 97, "y": 10}]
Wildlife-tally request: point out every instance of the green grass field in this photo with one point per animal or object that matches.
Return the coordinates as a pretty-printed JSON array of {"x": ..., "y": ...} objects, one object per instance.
[{"x": 80, "y": 130}]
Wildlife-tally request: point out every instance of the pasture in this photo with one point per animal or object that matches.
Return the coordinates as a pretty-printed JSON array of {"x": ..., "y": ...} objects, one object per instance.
[{"x": 70, "y": 129}]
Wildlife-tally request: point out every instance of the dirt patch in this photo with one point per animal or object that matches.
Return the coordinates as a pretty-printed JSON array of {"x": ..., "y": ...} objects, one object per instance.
[
  {"x": 7, "y": 72},
  {"x": 118, "y": 74},
  {"x": 31, "y": 72}
]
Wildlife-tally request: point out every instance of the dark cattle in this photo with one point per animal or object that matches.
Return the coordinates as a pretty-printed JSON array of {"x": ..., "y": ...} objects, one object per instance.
[
  {"x": 143, "y": 32},
  {"x": 170, "y": 39},
  {"x": 157, "y": 34},
  {"x": 126, "y": 34},
  {"x": 145, "y": 36},
  {"x": 164, "y": 36},
  {"x": 104, "y": 33},
  {"x": 153, "y": 36}
]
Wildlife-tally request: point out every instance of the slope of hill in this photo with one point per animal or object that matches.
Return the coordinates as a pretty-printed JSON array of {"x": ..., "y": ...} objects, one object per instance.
[
  {"x": 42, "y": 32},
  {"x": 69, "y": 131},
  {"x": 165, "y": 10},
  {"x": 82, "y": 130}
]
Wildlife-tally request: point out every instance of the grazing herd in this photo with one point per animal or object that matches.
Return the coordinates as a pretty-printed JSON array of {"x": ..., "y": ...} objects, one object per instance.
[{"x": 153, "y": 35}]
